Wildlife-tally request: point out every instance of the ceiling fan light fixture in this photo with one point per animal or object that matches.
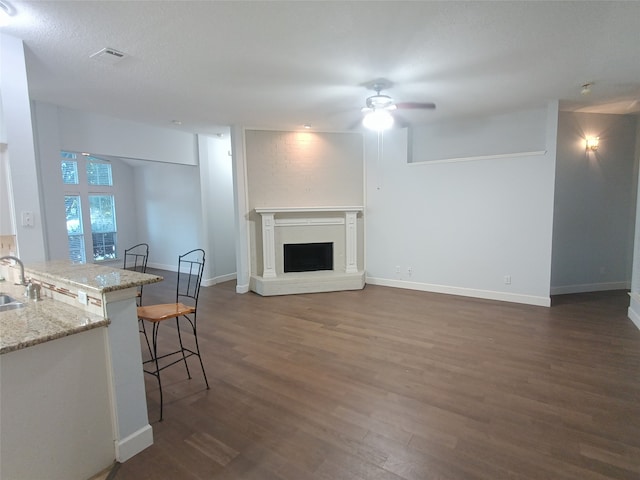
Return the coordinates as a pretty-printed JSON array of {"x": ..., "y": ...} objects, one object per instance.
[{"x": 378, "y": 120}]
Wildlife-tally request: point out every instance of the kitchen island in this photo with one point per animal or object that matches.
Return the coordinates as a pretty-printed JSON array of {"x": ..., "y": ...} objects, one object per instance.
[{"x": 71, "y": 382}]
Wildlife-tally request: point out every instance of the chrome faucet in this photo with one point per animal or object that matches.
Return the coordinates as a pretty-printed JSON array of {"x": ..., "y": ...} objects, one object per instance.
[{"x": 23, "y": 281}]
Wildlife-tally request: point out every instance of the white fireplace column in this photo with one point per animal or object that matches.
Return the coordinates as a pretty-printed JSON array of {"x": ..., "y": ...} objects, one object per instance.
[
  {"x": 351, "y": 245},
  {"x": 268, "y": 244}
]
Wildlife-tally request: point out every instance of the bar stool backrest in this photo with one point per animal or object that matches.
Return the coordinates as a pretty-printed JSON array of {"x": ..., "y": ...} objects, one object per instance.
[
  {"x": 190, "y": 270},
  {"x": 135, "y": 258}
]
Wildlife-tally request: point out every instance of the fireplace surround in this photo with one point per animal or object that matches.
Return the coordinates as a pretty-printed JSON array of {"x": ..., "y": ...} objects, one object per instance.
[{"x": 308, "y": 225}]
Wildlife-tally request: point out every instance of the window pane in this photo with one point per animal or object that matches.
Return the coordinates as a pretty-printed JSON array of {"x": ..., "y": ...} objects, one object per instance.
[
  {"x": 69, "y": 172},
  {"x": 99, "y": 174},
  {"x": 103, "y": 215},
  {"x": 76, "y": 248},
  {"x": 74, "y": 214},
  {"x": 103, "y": 226},
  {"x": 104, "y": 246},
  {"x": 74, "y": 228}
]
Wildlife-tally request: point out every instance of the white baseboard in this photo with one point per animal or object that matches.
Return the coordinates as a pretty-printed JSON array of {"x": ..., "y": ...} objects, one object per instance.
[
  {"x": 590, "y": 287},
  {"x": 634, "y": 308},
  {"x": 242, "y": 288},
  {"x": 634, "y": 317},
  {"x": 162, "y": 266},
  {"x": 134, "y": 443},
  {"x": 208, "y": 282},
  {"x": 465, "y": 292}
]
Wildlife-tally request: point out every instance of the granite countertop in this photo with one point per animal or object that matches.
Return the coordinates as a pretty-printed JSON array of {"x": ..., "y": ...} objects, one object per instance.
[
  {"x": 47, "y": 319},
  {"x": 40, "y": 321},
  {"x": 100, "y": 278}
]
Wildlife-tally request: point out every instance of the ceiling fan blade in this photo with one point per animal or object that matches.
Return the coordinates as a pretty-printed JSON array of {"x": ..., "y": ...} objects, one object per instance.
[{"x": 415, "y": 105}]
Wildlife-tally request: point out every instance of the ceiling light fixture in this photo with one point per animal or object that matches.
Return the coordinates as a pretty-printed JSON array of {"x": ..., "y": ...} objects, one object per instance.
[
  {"x": 586, "y": 88},
  {"x": 6, "y": 12},
  {"x": 307, "y": 126},
  {"x": 378, "y": 120}
]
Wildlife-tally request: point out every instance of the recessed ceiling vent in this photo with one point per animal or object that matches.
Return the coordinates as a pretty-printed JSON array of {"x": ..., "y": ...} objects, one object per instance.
[{"x": 108, "y": 55}]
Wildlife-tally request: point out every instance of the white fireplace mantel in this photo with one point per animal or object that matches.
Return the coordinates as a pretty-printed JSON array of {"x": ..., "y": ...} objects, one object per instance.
[
  {"x": 282, "y": 217},
  {"x": 262, "y": 210}
]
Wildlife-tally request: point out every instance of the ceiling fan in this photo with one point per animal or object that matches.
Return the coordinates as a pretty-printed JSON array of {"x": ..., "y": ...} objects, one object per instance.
[{"x": 377, "y": 112}]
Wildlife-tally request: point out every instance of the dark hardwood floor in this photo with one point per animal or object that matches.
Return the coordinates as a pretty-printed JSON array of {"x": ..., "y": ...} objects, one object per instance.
[{"x": 390, "y": 384}]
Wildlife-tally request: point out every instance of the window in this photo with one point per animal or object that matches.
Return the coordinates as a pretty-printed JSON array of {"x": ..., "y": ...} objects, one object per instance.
[{"x": 91, "y": 188}]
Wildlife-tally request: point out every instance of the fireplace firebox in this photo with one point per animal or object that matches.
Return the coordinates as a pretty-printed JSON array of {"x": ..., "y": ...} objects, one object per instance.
[{"x": 308, "y": 257}]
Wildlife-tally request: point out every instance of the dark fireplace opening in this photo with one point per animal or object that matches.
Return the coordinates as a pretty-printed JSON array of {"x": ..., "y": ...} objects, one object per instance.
[{"x": 308, "y": 257}]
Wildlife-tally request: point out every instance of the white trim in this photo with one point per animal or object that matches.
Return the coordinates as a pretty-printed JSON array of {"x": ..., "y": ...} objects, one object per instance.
[
  {"x": 242, "y": 288},
  {"x": 118, "y": 295},
  {"x": 465, "y": 292},
  {"x": 219, "y": 279},
  {"x": 262, "y": 210},
  {"x": 632, "y": 313},
  {"x": 481, "y": 157},
  {"x": 297, "y": 222},
  {"x": 634, "y": 317},
  {"x": 590, "y": 287},
  {"x": 134, "y": 443}
]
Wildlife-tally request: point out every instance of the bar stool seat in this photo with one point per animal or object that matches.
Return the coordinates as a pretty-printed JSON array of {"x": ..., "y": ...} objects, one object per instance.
[{"x": 163, "y": 311}]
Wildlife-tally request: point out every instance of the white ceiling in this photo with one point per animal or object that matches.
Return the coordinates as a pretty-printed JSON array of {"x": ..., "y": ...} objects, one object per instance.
[{"x": 279, "y": 65}]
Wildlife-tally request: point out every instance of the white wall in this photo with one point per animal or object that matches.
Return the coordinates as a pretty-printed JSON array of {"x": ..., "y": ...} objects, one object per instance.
[
  {"x": 634, "y": 305},
  {"x": 517, "y": 132},
  {"x": 216, "y": 183},
  {"x": 169, "y": 211},
  {"x": 98, "y": 134},
  {"x": 7, "y": 226},
  {"x": 595, "y": 199},
  {"x": 461, "y": 227},
  {"x": 19, "y": 138}
]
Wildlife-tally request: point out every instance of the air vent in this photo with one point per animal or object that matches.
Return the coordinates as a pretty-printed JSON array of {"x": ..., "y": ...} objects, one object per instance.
[{"x": 108, "y": 55}]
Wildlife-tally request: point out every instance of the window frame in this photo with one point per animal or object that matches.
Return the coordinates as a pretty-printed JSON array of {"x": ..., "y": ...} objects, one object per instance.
[{"x": 84, "y": 190}]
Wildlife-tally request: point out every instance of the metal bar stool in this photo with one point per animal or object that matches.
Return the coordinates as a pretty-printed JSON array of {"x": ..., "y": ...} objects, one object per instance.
[{"x": 190, "y": 270}]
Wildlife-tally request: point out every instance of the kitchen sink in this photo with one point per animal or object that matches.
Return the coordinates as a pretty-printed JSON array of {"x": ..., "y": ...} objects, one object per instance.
[{"x": 7, "y": 302}]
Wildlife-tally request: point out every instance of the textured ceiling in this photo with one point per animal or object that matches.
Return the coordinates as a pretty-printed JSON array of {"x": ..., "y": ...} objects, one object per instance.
[{"x": 281, "y": 64}]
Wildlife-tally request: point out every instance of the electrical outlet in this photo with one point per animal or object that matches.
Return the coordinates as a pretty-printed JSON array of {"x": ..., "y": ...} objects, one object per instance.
[
  {"x": 82, "y": 297},
  {"x": 507, "y": 279},
  {"x": 27, "y": 219},
  {"x": 409, "y": 270},
  {"x": 397, "y": 268}
]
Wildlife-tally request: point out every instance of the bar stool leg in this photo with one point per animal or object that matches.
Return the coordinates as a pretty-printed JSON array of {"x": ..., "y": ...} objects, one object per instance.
[
  {"x": 195, "y": 335},
  {"x": 155, "y": 359},
  {"x": 184, "y": 357}
]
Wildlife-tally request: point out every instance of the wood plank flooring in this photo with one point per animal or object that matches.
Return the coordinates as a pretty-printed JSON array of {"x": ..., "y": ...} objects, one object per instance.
[{"x": 390, "y": 384}]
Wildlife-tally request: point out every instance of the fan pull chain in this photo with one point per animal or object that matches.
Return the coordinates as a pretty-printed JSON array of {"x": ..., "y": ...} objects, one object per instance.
[{"x": 379, "y": 160}]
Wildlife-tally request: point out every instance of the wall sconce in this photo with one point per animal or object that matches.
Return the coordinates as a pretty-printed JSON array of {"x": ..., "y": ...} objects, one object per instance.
[{"x": 592, "y": 143}]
